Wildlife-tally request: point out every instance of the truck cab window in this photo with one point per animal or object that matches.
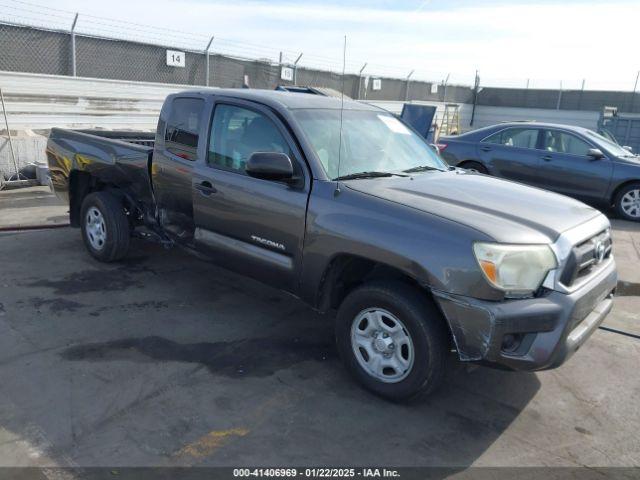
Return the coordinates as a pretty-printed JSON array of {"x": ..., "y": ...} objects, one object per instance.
[
  {"x": 238, "y": 132},
  {"x": 183, "y": 124}
]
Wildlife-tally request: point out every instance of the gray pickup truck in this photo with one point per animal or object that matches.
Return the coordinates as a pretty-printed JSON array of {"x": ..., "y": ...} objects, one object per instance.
[{"x": 351, "y": 211}]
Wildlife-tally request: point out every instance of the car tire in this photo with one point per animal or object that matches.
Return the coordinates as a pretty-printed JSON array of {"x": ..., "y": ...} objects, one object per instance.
[
  {"x": 406, "y": 315},
  {"x": 475, "y": 167},
  {"x": 627, "y": 202},
  {"x": 105, "y": 227}
]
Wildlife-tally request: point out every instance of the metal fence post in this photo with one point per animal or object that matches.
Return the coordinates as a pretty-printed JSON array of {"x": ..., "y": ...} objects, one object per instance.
[
  {"x": 476, "y": 91},
  {"x": 584, "y": 80},
  {"x": 73, "y": 46},
  {"x": 633, "y": 94},
  {"x": 444, "y": 90},
  {"x": 295, "y": 69},
  {"x": 406, "y": 92},
  {"x": 206, "y": 52},
  {"x": 559, "y": 97},
  {"x": 360, "y": 79},
  {"x": 6, "y": 122}
]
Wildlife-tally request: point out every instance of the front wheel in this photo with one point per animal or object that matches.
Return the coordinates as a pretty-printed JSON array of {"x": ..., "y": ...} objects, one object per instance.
[
  {"x": 105, "y": 226},
  {"x": 627, "y": 202},
  {"x": 392, "y": 339}
]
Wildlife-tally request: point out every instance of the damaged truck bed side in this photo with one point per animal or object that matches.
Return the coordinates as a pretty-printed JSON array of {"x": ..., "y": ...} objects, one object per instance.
[{"x": 350, "y": 210}]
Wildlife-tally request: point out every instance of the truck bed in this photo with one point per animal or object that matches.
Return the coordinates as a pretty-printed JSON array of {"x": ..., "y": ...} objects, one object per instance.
[
  {"x": 112, "y": 157},
  {"x": 137, "y": 137}
]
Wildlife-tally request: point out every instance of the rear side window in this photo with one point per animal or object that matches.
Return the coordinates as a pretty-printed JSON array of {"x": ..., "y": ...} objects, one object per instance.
[
  {"x": 183, "y": 126},
  {"x": 515, "y": 137}
]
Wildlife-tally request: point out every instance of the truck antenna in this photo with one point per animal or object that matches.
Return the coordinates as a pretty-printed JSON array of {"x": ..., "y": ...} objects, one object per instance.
[{"x": 344, "y": 61}]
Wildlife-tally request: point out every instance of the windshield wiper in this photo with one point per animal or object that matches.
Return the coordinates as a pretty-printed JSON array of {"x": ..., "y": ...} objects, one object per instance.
[
  {"x": 359, "y": 175},
  {"x": 421, "y": 168}
]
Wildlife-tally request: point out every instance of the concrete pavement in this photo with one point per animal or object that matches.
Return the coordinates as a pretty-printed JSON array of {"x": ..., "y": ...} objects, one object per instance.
[{"x": 166, "y": 360}]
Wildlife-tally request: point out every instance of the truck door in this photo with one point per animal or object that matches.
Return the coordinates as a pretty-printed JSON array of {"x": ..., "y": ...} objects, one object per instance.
[
  {"x": 174, "y": 156},
  {"x": 253, "y": 226}
]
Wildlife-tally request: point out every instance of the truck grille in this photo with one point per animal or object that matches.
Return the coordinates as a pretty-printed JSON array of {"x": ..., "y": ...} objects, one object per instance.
[{"x": 587, "y": 258}]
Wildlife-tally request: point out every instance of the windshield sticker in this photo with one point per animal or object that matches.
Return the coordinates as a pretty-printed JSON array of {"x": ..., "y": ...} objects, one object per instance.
[{"x": 394, "y": 125}]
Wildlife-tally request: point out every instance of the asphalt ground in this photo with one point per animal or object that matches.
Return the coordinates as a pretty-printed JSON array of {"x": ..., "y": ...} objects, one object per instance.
[{"x": 165, "y": 360}]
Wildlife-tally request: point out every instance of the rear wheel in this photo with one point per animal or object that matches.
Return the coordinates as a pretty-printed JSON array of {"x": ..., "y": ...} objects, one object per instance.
[
  {"x": 475, "y": 167},
  {"x": 392, "y": 339},
  {"x": 627, "y": 202},
  {"x": 105, "y": 226}
]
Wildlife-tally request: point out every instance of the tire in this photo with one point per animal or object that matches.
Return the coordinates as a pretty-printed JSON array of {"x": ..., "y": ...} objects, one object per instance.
[
  {"x": 475, "y": 167},
  {"x": 422, "y": 371},
  {"x": 627, "y": 202},
  {"x": 105, "y": 227}
]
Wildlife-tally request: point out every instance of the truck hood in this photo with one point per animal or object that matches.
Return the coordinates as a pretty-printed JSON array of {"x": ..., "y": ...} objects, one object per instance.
[{"x": 506, "y": 211}]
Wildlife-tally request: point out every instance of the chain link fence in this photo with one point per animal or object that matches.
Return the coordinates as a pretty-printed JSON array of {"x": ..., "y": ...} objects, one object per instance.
[
  {"x": 32, "y": 49},
  {"x": 36, "y": 49}
]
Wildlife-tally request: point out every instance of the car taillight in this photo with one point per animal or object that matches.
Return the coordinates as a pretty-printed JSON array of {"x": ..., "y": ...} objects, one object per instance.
[{"x": 441, "y": 146}]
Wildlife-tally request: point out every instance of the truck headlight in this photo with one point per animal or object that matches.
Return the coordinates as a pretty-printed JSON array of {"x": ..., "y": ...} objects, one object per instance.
[{"x": 516, "y": 269}]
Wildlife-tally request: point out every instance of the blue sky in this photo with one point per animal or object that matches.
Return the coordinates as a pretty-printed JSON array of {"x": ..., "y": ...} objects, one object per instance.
[{"x": 545, "y": 41}]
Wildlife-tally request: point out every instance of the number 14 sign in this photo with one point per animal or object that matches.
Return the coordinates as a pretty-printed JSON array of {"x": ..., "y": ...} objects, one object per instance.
[{"x": 175, "y": 58}]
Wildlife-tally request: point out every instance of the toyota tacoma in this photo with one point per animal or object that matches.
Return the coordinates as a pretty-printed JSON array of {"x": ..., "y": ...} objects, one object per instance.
[{"x": 347, "y": 208}]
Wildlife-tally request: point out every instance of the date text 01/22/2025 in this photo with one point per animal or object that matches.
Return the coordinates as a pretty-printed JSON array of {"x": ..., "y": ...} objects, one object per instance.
[{"x": 316, "y": 472}]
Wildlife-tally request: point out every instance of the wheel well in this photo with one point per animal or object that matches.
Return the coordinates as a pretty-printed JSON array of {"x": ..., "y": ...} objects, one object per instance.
[
  {"x": 82, "y": 184},
  {"x": 346, "y": 272},
  {"x": 620, "y": 187},
  {"x": 464, "y": 162}
]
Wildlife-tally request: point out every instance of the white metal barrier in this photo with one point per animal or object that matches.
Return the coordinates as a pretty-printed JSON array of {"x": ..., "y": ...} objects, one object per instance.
[{"x": 36, "y": 102}]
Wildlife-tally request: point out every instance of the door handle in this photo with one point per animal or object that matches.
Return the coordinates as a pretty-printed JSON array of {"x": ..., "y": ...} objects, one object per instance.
[
  {"x": 205, "y": 188},
  {"x": 547, "y": 158},
  {"x": 485, "y": 149}
]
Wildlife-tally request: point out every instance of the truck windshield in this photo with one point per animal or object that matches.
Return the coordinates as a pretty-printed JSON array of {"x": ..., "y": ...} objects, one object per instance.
[{"x": 372, "y": 141}]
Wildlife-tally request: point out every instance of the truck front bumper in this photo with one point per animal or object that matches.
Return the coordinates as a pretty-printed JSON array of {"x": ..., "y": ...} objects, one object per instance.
[{"x": 529, "y": 334}]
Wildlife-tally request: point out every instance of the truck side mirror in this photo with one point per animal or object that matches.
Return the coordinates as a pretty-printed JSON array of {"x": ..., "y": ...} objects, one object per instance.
[
  {"x": 595, "y": 153},
  {"x": 270, "y": 166}
]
